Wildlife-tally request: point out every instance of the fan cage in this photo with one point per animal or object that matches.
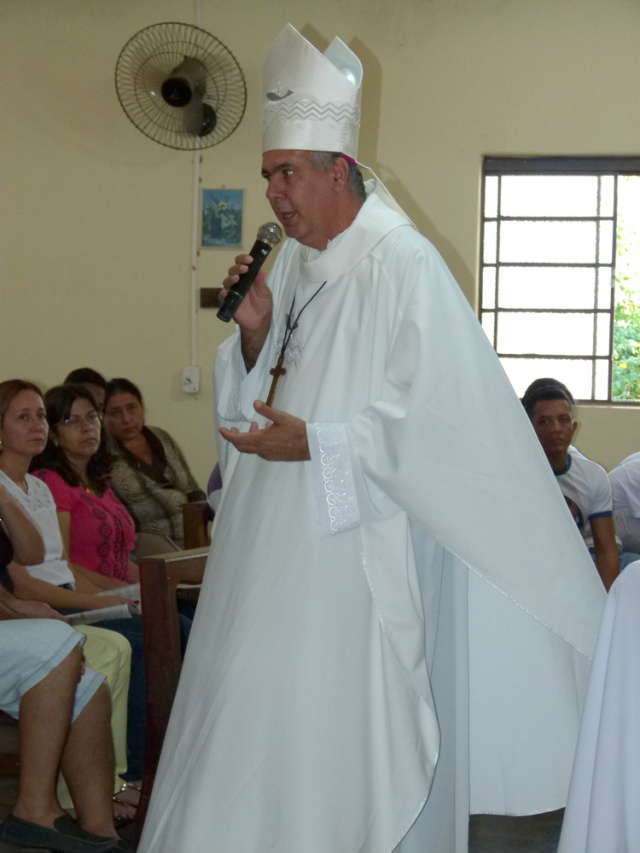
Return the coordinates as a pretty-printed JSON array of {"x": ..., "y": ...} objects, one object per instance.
[{"x": 149, "y": 57}]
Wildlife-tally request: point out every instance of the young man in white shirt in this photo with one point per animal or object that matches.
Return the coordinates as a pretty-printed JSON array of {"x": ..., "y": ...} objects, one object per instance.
[{"x": 583, "y": 483}]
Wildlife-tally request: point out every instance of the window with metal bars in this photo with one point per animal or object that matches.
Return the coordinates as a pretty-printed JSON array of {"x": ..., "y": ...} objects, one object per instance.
[{"x": 560, "y": 272}]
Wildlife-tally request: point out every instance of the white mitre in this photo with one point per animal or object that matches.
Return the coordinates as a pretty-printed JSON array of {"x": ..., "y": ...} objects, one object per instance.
[{"x": 311, "y": 100}]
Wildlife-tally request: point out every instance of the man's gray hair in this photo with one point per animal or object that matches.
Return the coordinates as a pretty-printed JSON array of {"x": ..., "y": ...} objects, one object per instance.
[{"x": 322, "y": 160}]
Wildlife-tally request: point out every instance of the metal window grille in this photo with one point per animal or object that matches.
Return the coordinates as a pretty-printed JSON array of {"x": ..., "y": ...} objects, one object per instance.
[{"x": 547, "y": 268}]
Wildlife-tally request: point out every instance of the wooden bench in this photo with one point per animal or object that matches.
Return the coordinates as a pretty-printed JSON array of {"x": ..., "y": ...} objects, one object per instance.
[
  {"x": 160, "y": 577},
  {"x": 196, "y": 517}
]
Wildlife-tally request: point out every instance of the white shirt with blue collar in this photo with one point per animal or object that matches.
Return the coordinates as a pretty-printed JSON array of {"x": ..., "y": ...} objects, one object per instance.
[{"x": 587, "y": 491}]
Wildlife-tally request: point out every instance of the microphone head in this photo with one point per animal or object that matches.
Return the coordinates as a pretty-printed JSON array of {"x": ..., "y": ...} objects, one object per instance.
[{"x": 270, "y": 233}]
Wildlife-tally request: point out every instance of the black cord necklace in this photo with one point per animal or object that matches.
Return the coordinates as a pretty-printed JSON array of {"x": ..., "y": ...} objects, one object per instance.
[{"x": 279, "y": 370}]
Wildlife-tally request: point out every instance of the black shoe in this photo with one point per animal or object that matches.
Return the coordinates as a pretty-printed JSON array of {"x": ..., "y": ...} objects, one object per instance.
[{"x": 66, "y": 836}]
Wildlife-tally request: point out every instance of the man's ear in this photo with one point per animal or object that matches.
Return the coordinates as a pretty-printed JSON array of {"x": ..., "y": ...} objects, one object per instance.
[
  {"x": 340, "y": 173},
  {"x": 575, "y": 427}
]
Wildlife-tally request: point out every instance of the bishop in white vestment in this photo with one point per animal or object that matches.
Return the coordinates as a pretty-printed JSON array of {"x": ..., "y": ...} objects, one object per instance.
[{"x": 395, "y": 627}]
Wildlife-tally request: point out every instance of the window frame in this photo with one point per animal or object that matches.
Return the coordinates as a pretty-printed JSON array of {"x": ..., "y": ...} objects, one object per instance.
[{"x": 555, "y": 166}]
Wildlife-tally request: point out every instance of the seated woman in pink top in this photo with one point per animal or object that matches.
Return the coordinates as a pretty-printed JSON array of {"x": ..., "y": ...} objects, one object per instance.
[{"x": 97, "y": 530}]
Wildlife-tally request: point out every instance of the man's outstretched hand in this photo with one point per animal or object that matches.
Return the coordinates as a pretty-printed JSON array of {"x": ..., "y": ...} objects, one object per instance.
[{"x": 282, "y": 440}]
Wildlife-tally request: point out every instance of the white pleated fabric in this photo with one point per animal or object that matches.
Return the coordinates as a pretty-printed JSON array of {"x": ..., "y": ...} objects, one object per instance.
[
  {"x": 310, "y": 100},
  {"x": 602, "y": 814},
  {"x": 415, "y": 597}
]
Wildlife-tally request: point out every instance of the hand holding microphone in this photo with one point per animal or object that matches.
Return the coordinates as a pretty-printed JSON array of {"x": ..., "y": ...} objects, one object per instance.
[{"x": 269, "y": 235}]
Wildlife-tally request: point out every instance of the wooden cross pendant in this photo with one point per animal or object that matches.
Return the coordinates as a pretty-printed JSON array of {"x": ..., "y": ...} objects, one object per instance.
[{"x": 276, "y": 372}]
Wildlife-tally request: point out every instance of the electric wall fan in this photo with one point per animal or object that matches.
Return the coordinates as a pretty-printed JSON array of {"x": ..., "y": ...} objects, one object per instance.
[{"x": 180, "y": 86}]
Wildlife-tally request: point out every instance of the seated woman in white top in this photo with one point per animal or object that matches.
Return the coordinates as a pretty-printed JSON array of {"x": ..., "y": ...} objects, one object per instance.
[
  {"x": 108, "y": 652},
  {"x": 23, "y": 434}
]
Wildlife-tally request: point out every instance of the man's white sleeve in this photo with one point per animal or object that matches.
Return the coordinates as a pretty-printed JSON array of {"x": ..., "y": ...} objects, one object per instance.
[{"x": 344, "y": 499}]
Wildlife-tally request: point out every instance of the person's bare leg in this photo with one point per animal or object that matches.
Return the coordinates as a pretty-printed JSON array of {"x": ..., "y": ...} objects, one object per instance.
[
  {"x": 45, "y": 717},
  {"x": 88, "y": 765}
]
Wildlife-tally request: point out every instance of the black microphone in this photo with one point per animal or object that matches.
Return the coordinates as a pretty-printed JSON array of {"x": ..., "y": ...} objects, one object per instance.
[{"x": 269, "y": 235}]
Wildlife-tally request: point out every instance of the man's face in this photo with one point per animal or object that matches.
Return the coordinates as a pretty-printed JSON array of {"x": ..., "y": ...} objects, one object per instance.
[
  {"x": 301, "y": 197},
  {"x": 554, "y": 425}
]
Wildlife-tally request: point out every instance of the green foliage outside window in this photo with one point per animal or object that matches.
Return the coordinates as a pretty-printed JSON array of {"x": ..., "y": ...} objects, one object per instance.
[
  {"x": 626, "y": 331},
  {"x": 626, "y": 347}
]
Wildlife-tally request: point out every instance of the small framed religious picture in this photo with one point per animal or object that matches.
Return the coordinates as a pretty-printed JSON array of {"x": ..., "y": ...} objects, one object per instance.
[{"x": 221, "y": 219}]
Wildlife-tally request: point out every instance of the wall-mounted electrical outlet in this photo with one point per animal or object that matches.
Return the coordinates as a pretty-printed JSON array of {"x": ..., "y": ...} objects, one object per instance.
[{"x": 191, "y": 379}]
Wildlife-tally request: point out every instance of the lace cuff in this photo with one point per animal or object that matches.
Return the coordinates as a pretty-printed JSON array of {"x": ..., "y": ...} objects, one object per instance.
[{"x": 333, "y": 478}]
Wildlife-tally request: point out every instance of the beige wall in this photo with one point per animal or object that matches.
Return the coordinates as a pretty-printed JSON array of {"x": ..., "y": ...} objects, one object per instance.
[{"x": 95, "y": 248}]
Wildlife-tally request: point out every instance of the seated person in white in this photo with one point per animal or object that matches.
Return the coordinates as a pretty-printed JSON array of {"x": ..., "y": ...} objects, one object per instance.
[
  {"x": 63, "y": 708},
  {"x": 583, "y": 483},
  {"x": 545, "y": 382},
  {"x": 625, "y": 488}
]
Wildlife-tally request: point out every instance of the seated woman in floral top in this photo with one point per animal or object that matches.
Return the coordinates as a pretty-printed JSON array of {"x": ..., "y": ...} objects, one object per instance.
[{"x": 150, "y": 475}]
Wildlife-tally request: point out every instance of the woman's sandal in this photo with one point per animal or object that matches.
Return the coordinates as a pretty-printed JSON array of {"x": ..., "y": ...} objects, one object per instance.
[
  {"x": 125, "y": 803},
  {"x": 129, "y": 793}
]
